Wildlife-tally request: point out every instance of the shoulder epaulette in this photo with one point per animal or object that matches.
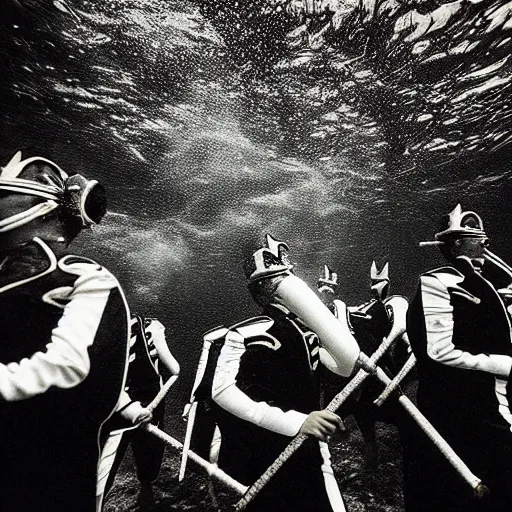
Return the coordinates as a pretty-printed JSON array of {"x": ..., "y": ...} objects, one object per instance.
[
  {"x": 387, "y": 299},
  {"x": 355, "y": 310},
  {"x": 443, "y": 270},
  {"x": 253, "y": 326},
  {"x": 73, "y": 264},
  {"x": 215, "y": 333},
  {"x": 71, "y": 259}
]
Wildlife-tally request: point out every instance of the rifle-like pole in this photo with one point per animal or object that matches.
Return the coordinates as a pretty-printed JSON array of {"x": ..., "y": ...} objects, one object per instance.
[
  {"x": 297, "y": 441},
  {"x": 458, "y": 464},
  {"x": 479, "y": 489},
  {"x": 188, "y": 439},
  {"x": 397, "y": 380},
  {"x": 161, "y": 394},
  {"x": 212, "y": 469}
]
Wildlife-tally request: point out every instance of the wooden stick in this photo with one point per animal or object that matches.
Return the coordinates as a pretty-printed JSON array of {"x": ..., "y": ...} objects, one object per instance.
[
  {"x": 161, "y": 394},
  {"x": 212, "y": 469},
  {"x": 188, "y": 437},
  {"x": 297, "y": 441},
  {"x": 458, "y": 464},
  {"x": 400, "y": 376}
]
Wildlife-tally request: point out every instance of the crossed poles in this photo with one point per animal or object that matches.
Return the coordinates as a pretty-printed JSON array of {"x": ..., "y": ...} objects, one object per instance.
[{"x": 368, "y": 368}]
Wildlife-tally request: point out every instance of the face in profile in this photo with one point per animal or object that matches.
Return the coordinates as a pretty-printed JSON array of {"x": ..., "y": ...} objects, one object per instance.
[
  {"x": 472, "y": 248},
  {"x": 327, "y": 296}
]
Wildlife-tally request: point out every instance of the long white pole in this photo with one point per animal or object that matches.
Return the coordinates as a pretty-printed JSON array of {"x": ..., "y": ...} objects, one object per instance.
[
  {"x": 212, "y": 469},
  {"x": 161, "y": 394}
]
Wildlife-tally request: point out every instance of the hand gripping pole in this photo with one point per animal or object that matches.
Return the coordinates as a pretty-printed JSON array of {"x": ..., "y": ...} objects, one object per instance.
[{"x": 337, "y": 401}]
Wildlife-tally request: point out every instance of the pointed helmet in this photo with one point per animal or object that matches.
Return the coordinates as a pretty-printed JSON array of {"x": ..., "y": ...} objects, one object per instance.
[
  {"x": 328, "y": 282},
  {"x": 269, "y": 261},
  {"x": 380, "y": 281},
  {"x": 461, "y": 224}
]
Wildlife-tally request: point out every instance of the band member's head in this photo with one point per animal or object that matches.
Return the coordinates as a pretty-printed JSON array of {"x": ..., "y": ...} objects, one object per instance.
[
  {"x": 266, "y": 268},
  {"x": 38, "y": 199},
  {"x": 327, "y": 285},
  {"x": 380, "y": 281},
  {"x": 462, "y": 234},
  {"x": 271, "y": 281}
]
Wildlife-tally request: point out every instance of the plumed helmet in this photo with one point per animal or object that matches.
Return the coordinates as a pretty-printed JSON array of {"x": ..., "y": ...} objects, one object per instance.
[
  {"x": 269, "y": 261},
  {"x": 37, "y": 177},
  {"x": 459, "y": 224},
  {"x": 328, "y": 282},
  {"x": 380, "y": 281}
]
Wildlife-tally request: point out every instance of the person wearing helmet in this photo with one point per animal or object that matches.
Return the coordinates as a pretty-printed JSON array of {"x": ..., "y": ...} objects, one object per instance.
[
  {"x": 63, "y": 356},
  {"x": 148, "y": 351},
  {"x": 383, "y": 316},
  {"x": 459, "y": 331},
  {"x": 265, "y": 388}
]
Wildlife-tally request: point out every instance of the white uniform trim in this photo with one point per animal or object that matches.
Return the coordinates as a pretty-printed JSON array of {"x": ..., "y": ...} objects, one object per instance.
[
  {"x": 65, "y": 361},
  {"x": 231, "y": 398},
  {"x": 439, "y": 326},
  {"x": 108, "y": 456},
  {"x": 331, "y": 486},
  {"x": 51, "y": 267},
  {"x": 500, "y": 388}
]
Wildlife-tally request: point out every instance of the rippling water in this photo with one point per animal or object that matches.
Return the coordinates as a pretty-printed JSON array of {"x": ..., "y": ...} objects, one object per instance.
[{"x": 201, "y": 161}]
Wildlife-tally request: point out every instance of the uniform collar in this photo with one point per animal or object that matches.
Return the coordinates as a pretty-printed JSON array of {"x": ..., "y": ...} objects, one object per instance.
[{"x": 26, "y": 263}]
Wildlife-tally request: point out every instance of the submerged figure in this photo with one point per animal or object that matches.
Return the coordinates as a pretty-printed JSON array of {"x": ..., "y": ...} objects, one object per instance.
[
  {"x": 327, "y": 285},
  {"x": 63, "y": 355},
  {"x": 382, "y": 316},
  {"x": 460, "y": 333},
  {"x": 265, "y": 388},
  {"x": 148, "y": 349}
]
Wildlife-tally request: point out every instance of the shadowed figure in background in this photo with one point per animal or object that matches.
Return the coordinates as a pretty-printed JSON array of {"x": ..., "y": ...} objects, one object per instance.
[
  {"x": 460, "y": 333},
  {"x": 263, "y": 380},
  {"x": 63, "y": 355},
  {"x": 370, "y": 323},
  {"x": 148, "y": 350}
]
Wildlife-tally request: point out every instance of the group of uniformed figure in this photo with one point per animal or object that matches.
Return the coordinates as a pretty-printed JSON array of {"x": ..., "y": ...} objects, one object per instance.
[{"x": 78, "y": 369}]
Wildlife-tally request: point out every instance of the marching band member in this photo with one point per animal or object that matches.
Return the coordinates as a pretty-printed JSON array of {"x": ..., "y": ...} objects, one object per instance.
[
  {"x": 266, "y": 391},
  {"x": 459, "y": 331},
  {"x": 148, "y": 350},
  {"x": 63, "y": 355},
  {"x": 381, "y": 317}
]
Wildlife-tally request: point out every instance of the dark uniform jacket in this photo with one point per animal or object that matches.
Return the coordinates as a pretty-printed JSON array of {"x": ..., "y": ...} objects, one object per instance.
[
  {"x": 459, "y": 331},
  {"x": 63, "y": 359},
  {"x": 277, "y": 367}
]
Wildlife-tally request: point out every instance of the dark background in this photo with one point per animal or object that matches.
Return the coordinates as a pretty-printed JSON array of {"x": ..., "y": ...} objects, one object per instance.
[
  {"x": 202, "y": 154},
  {"x": 145, "y": 97}
]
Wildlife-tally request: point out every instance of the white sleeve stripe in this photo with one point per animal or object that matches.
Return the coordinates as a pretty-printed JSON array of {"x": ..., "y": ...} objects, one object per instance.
[
  {"x": 228, "y": 362},
  {"x": 439, "y": 326},
  {"x": 65, "y": 362},
  {"x": 235, "y": 401}
]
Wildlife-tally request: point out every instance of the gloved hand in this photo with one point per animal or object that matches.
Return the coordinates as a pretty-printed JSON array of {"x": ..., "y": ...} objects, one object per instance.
[
  {"x": 137, "y": 414},
  {"x": 321, "y": 424}
]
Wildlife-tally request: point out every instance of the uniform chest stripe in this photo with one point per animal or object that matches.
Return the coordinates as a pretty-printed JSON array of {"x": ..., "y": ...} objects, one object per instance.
[{"x": 268, "y": 341}]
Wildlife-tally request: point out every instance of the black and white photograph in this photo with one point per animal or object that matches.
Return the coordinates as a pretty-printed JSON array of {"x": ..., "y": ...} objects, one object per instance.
[{"x": 256, "y": 255}]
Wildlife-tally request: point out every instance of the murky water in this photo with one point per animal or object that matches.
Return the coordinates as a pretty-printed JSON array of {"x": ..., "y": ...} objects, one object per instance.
[{"x": 201, "y": 161}]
